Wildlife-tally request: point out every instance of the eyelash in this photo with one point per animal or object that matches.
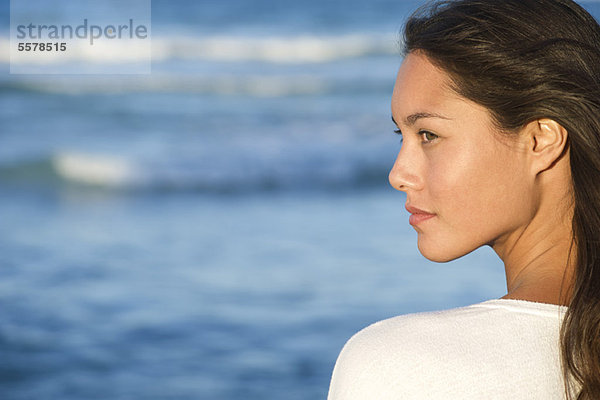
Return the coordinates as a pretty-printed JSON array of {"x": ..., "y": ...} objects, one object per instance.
[
  {"x": 399, "y": 132},
  {"x": 421, "y": 132}
]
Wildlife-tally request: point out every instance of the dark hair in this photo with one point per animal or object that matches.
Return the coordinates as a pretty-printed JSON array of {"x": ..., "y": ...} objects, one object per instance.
[{"x": 525, "y": 60}]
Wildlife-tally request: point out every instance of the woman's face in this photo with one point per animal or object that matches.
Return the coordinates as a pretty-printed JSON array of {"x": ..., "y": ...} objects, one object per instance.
[{"x": 472, "y": 180}]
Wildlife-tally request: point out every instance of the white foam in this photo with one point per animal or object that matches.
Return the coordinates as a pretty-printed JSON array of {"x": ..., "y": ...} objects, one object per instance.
[
  {"x": 93, "y": 169},
  {"x": 260, "y": 86},
  {"x": 298, "y": 49},
  {"x": 274, "y": 49}
]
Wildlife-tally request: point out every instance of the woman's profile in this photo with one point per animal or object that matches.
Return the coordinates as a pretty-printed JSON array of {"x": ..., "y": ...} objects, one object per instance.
[{"x": 498, "y": 106}]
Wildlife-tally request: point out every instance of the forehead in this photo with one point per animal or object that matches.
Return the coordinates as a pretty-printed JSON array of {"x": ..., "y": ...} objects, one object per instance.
[{"x": 423, "y": 87}]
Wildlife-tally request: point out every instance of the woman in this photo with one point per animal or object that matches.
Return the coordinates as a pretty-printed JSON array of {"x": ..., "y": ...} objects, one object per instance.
[{"x": 498, "y": 105}]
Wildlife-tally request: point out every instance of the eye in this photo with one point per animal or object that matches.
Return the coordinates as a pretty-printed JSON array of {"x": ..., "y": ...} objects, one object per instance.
[
  {"x": 399, "y": 132},
  {"x": 428, "y": 136}
]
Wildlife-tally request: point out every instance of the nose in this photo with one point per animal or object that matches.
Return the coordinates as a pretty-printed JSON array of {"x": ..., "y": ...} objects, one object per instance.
[{"x": 404, "y": 176}]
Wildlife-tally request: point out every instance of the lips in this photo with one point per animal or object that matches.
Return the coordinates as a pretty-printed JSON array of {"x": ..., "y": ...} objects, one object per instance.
[{"x": 417, "y": 215}]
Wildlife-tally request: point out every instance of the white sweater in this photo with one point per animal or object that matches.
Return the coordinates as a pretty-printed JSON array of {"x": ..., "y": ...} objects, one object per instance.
[{"x": 499, "y": 349}]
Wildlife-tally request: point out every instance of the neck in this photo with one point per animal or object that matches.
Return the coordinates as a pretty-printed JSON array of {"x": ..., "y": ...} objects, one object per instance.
[
  {"x": 540, "y": 262},
  {"x": 543, "y": 280}
]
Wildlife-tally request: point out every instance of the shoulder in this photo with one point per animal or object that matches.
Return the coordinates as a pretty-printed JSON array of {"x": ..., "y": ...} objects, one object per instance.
[{"x": 440, "y": 350}]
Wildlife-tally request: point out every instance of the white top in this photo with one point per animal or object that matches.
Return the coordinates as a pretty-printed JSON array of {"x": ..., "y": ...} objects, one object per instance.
[{"x": 499, "y": 349}]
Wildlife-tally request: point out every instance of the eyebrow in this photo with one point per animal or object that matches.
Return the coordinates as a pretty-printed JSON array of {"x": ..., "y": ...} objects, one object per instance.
[{"x": 413, "y": 118}]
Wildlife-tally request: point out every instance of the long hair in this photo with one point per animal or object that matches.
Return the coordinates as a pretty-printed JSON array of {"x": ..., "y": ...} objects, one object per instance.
[{"x": 524, "y": 60}]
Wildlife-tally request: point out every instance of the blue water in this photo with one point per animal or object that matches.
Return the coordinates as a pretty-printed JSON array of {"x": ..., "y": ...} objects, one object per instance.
[{"x": 219, "y": 228}]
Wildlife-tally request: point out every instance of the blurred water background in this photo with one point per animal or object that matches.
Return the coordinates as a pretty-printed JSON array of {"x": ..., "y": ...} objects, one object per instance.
[{"x": 217, "y": 229}]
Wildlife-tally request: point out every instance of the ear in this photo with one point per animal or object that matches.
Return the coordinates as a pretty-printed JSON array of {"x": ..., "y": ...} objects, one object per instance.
[{"x": 547, "y": 143}]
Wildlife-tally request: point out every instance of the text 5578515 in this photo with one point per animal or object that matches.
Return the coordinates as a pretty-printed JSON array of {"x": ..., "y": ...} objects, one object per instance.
[{"x": 43, "y": 46}]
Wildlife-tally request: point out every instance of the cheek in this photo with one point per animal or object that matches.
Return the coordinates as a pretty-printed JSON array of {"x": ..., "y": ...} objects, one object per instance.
[
  {"x": 472, "y": 187},
  {"x": 470, "y": 195}
]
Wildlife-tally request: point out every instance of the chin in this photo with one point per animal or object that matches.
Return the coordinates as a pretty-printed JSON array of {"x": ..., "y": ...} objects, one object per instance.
[{"x": 441, "y": 254}]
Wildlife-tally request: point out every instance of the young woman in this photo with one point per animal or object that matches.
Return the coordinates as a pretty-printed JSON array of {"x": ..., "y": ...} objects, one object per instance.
[{"x": 498, "y": 105}]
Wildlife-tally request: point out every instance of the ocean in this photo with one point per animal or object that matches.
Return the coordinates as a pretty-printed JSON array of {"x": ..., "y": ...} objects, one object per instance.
[{"x": 219, "y": 228}]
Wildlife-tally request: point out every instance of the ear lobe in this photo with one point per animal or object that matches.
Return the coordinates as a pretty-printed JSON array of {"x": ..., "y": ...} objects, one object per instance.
[{"x": 549, "y": 142}]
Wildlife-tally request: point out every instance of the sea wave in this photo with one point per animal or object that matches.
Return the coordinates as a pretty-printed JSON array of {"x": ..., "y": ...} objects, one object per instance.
[
  {"x": 260, "y": 86},
  {"x": 298, "y": 49},
  {"x": 119, "y": 173},
  {"x": 235, "y": 49},
  {"x": 219, "y": 85}
]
